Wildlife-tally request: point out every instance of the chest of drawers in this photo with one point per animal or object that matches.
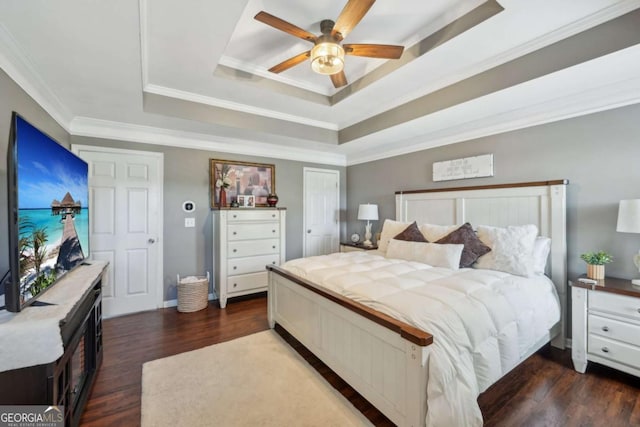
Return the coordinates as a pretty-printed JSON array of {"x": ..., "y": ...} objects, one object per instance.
[
  {"x": 245, "y": 241},
  {"x": 606, "y": 325}
]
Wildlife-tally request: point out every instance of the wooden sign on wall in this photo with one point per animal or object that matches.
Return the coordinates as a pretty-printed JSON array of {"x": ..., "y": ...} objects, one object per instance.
[{"x": 468, "y": 167}]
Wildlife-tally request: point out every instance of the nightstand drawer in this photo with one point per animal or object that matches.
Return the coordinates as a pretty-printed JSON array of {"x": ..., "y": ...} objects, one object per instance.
[
  {"x": 613, "y": 350},
  {"x": 620, "y": 305},
  {"x": 614, "y": 329}
]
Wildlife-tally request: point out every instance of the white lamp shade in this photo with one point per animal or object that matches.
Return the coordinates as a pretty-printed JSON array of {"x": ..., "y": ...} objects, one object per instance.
[
  {"x": 629, "y": 216},
  {"x": 368, "y": 212}
]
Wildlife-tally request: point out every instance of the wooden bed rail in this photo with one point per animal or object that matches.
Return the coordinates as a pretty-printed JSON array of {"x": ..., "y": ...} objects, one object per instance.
[{"x": 406, "y": 331}]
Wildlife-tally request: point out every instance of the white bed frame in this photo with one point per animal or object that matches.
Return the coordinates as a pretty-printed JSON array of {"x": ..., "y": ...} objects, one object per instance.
[{"x": 386, "y": 360}]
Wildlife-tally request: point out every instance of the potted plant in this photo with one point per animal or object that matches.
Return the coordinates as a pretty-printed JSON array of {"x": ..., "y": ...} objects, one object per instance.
[{"x": 595, "y": 263}]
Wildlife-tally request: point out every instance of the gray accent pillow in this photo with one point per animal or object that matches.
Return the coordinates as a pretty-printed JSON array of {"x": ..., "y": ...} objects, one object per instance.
[
  {"x": 473, "y": 246},
  {"x": 411, "y": 234}
]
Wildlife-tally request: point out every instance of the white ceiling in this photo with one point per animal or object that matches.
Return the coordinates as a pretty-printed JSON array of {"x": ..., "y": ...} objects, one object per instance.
[{"x": 194, "y": 73}]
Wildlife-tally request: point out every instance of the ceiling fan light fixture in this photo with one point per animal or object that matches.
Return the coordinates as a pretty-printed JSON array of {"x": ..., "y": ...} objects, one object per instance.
[{"x": 327, "y": 58}]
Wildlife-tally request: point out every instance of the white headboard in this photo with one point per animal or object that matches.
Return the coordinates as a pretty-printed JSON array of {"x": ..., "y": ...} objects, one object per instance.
[{"x": 539, "y": 203}]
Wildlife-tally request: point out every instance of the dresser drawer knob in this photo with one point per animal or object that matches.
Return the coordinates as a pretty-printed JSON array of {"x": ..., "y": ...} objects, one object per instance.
[
  {"x": 273, "y": 262},
  {"x": 235, "y": 250},
  {"x": 234, "y": 233},
  {"x": 235, "y": 285},
  {"x": 273, "y": 231},
  {"x": 235, "y": 267},
  {"x": 605, "y": 350},
  {"x": 273, "y": 247},
  {"x": 235, "y": 216},
  {"x": 605, "y": 328},
  {"x": 273, "y": 215},
  {"x": 639, "y": 310}
]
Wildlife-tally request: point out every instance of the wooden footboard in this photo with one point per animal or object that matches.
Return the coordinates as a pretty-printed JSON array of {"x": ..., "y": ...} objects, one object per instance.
[{"x": 384, "y": 359}]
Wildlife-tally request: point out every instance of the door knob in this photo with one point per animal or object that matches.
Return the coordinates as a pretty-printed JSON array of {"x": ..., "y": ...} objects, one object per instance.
[{"x": 151, "y": 241}]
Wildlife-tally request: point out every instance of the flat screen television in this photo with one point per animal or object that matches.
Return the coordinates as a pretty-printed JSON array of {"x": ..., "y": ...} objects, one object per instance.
[{"x": 48, "y": 196}]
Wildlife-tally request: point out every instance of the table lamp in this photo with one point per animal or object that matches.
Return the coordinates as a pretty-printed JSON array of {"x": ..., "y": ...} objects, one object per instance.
[
  {"x": 629, "y": 222},
  {"x": 368, "y": 213}
]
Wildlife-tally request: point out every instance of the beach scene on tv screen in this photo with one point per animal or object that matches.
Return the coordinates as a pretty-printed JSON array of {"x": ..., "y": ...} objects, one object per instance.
[{"x": 52, "y": 210}]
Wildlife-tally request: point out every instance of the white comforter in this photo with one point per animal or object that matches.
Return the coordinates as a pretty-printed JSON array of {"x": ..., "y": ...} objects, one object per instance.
[{"x": 482, "y": 321}]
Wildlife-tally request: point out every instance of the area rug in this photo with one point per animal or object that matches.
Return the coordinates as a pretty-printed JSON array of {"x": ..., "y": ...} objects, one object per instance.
[{"x": 257, "y": 380}]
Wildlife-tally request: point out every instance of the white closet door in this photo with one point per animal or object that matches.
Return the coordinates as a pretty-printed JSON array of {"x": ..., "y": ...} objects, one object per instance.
[
  {"x": 125, "y": 190},
  {"x": 321, "y": 211}
]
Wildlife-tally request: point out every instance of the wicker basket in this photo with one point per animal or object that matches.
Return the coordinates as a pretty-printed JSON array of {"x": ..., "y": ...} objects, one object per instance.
[{"x": 193, "y": 293}]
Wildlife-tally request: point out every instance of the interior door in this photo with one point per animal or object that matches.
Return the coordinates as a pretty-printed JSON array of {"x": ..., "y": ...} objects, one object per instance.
[
  {"x": 321, "y": 211},
  {"x": 125, "y": 196}
]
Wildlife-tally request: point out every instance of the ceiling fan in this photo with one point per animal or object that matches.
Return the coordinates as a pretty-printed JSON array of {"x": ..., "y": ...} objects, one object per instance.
[{"x": 327, "y": 54}]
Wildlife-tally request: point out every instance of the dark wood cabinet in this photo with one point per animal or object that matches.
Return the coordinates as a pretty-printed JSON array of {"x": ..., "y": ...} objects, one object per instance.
[{"x": 68, "y": 380}]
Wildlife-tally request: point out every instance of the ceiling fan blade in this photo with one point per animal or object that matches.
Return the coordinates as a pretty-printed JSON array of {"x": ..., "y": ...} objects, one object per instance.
[
  {"x": 352, "y": 13},
  {"x": 339, "y": 79},
  {"x": 386, "y": 51},
  {"x": 291, "y": 62},
  {"x": 285, "y": 26}
]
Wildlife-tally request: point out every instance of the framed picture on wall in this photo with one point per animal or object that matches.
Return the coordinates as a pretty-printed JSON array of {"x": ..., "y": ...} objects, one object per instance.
[{"x": 241, "y": 179}]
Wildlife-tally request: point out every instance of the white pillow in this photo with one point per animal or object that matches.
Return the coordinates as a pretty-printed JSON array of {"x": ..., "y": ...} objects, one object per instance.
[
  {"x": 511, "y": 249},
  {"x": 434, "y": 254},
  {"x": 434, "y": 232},
  {"x": 541, "y": 249},
  {"x": 390, "y": 229}
]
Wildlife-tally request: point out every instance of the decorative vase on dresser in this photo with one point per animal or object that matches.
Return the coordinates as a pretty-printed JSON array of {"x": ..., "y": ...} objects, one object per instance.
[
  {"x": 223, "y": 197},
  {"x": 272, "y": 200},
  {"x": 244, "y": 242}
]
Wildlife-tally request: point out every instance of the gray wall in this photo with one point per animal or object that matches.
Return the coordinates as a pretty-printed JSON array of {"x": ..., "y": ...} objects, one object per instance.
[
  {"x": 13, "y": 98},
  {"x": 186, "y": 177},
  {"x": 598, "y": 153}
]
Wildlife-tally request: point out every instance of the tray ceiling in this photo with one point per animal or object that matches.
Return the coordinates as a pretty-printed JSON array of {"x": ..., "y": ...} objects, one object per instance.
[{"x": 194, "y": 73}]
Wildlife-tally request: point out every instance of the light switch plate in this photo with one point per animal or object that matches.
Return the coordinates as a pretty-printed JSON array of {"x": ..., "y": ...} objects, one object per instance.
[{"x": 189, "y": 222}]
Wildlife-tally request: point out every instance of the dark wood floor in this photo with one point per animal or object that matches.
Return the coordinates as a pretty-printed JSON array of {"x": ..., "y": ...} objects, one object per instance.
[{"x": 543, "y": 391}]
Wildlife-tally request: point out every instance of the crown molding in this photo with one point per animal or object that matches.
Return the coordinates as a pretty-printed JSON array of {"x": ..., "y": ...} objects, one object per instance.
[
  {"x": 144, "y": 45},
  {"x": 229, "y": 105},
  {"x": 230, "y": 62},
  {"x": 588, "y": 101},
  {"x": 588, "y": 22},
  {"x": 18, "y": 66},
  {"x": 611, "y": 12},
  {"x": 97, "y": 128}
]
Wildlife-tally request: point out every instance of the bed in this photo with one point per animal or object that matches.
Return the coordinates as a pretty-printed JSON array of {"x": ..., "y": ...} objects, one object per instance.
[{"x": 382, "y": 354}]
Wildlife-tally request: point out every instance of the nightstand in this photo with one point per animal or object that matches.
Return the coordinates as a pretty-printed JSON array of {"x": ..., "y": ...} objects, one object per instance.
[
  {"x": 350, "y": 247},
  {"x": 606, "y": 324}
]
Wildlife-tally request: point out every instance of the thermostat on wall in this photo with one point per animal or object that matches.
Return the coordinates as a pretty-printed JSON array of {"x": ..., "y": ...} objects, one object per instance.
[{"x": 188, "y": 206}]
